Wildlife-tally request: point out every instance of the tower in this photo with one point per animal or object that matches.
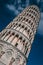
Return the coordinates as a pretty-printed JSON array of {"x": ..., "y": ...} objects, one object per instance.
[{"x": 16, "y": 39}]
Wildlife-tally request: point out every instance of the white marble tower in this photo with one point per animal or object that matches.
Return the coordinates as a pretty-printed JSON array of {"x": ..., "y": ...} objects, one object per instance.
[{"x": 16, "y": 39}]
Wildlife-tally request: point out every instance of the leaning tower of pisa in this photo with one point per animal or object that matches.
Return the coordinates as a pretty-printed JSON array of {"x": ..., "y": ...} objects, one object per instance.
[{"x": 16, "y": 39}]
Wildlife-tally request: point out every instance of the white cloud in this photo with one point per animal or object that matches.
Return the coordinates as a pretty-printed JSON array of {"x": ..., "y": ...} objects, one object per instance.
[
  {"x": 12, "y": 8},
  {"x": 20, "y": 8},
  {"x": 27, "y": 2},
  {"x": 19, "y": 1}
]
